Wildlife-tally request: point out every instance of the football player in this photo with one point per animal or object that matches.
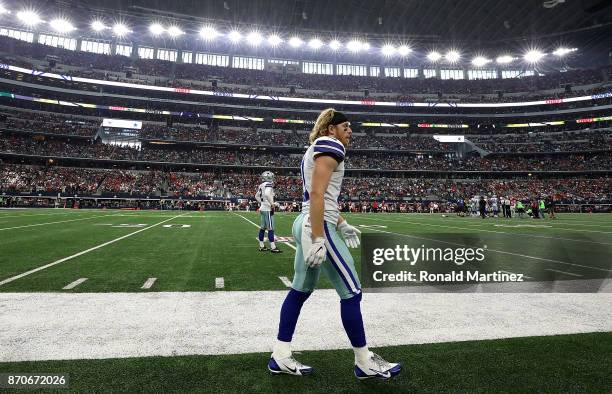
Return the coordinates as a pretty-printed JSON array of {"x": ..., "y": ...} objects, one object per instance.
[
  {"x": 265, "y": 198},
  {"x": 319, "y": 232}
]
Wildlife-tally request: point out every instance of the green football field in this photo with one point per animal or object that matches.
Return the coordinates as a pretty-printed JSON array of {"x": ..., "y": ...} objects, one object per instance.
[
  {"x": 67, "y": 252},
  {"x": 118, "y": 251}
]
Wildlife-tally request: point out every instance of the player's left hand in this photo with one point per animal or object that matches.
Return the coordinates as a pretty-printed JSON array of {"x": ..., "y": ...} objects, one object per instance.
[{"x": 349, "y": 233}]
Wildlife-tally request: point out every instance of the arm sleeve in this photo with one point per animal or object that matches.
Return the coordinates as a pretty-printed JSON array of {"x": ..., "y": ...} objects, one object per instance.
[
  {"x": 257, "y": 196},
  {"x": 330, "y": 147}
]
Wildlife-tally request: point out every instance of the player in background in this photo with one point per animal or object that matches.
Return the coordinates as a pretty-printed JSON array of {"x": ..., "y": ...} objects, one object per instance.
[
  {"x": 318, "y": 233},
  {"x": 265, "y": 198},
  {"x": 495, "y": 206}
]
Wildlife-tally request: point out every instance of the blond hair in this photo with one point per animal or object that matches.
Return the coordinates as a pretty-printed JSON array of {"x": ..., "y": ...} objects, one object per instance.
[{"x": 322, "y": 124}]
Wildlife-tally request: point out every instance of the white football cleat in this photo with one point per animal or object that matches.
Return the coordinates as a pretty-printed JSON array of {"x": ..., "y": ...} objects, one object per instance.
[
  {"x": 377, "y": 367},
  {"x": 288, "y": 365}
]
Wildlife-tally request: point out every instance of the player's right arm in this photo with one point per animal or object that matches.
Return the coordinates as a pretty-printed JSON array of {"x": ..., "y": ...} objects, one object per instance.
[
  {"x": 324, "y": 166},
  {"x": 258, "y": 195}
]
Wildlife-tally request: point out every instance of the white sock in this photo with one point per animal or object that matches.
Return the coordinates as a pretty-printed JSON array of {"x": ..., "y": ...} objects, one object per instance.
[
  {"x": 362, "y": 354},
  {"x": 261, "y": 244},
  {"x": 281, "y": 350},
  {"x": 272, "y": 245}
]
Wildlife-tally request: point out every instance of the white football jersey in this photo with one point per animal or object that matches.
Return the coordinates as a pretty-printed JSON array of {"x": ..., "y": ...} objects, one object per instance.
[
  {"x": 328, "y": 146},
  {"x": 265, "y": 196}
]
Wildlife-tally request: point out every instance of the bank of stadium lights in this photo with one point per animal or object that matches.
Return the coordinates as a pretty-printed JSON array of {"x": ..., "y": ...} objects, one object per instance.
[
  {"x": 295, "y": 42},
  {"x": 121, "y": 29},
  {"x": 388, "y": 50},
  {"x": 504, "y": 59},
  {"x": 274, "y": 40},
  {"x": 434, "y": 56},
  {"x": 480, "y": 61},
  {"x": 156, "y": 29},
  {"x": 234, "y": 36},
  {"x": 403, "y": 50},
  {"x": 356, "y": 46},
  {"x": 452, "y": 56},
  {"x": 4, "y": 10},
  {"x": 61, "y": 25},
  {"x": 560, "y": 52},
  {"x": 335, "y": 45},
  {"x": 254, "y": 38},
  {"x": 315, "y": 43},
  {"x": 533, "y": 56},
  {"x": 98, "y": 26},
  {"x": 175, "y": 31},
  {"x": 29, "y": 17},
  {"x": 208, "y": 33}
]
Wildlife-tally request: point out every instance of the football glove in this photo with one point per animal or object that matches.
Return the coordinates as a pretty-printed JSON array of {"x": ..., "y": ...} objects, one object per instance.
[
  {"x": 317, "y": 252},
  {"x": 349, "y": 234}
]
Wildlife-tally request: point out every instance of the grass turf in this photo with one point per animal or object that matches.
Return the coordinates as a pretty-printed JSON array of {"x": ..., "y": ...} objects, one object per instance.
[
  {"x": 222, "y": 244},
  {"x": 555, "y": 364}
]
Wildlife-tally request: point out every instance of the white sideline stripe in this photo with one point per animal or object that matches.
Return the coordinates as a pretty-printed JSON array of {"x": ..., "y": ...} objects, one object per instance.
[
  {"x": 497, "y": 251},
  {"x": 219, "y": 283},
  {"x": 13, "y": 278},
  {"x": 285, "y": 281},
  {"x": 256, "y": 225},
  {"x": 142, "y": 324},
  {"x": 148, "y": 283},
  {"x": 74, "y": 284},
  {"x": 514, "y": 273},
  {"x": 563, "y": 272},
  {"x": 61, "y": 221}
]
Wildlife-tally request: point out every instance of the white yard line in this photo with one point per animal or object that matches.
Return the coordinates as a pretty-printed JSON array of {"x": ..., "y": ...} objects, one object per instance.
[
  {"x": 149, "y": 283},
  {"x": 495, "y": 250},
  {"x": 514, "y": 273},
  {"x": 257, "y": 225},
  {"x": 47, "y": 223},
  {"x": 74, "y": 284},
  {"x": 13, "y": 278},
  {"x": 219, "y": 283},
  {"x": 563, "y": 272},
  {"x": 482, "y": 230},
  {"x": 285, "y": 281}
]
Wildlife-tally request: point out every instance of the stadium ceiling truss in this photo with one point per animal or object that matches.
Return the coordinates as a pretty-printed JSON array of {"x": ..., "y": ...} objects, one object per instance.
[{"x": 416, "y": 20}]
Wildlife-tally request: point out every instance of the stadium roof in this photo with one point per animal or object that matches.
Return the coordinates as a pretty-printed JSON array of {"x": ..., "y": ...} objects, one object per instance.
[{"x": 418, "y": 20}]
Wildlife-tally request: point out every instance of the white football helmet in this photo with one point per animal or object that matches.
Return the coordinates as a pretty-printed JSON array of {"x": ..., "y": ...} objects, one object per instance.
[{"x": 268, "y": 176}]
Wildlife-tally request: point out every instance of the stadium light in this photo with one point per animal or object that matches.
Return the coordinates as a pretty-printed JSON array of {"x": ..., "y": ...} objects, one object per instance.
[
  {"x": 388, "y": 50},
  {"x": 365, "y": 46},
  {"x": 452, "y": 56},
  {"x": 480, "y": 61},
  {"x": 335, "y": 45},
  {"x": 208, "y": 33},
  {"x": 254, "y": 38},
  {"x": 295, "y": 42},
  {"x": 433, "y": 56},
  {"x": 274, "y": 40},
  {"x": 564, "y": 51},
  {"x": 234, "y": 36},
  {"x": 504, "y": 59},
  {"x": 353, "y": 46},
  {"x": 156, "y": 29},
  {"x": 61, "y": 25},
  {"x": 404, "y": 50},
  {"x": 29, "y": 17},
  {"x": 315, "y": 43},
  {"x": 120, "y": 29},
  {"x": 3, "y": 10},
  {"x": 98, "y": 26},
  {"x": 175, "y": 31},
  {"x": 533, "y": 56}
]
